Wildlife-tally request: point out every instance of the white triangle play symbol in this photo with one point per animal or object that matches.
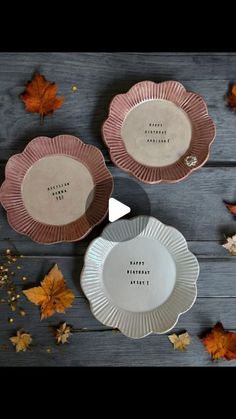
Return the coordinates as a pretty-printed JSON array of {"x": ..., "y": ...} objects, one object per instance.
[{"x": 117, "y": 209}]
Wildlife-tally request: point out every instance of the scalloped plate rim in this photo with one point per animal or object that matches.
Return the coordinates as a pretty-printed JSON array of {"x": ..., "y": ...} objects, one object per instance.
[
  {"x": 194, "y": 285},
  {"x": 24, "y": 151},
  {"x": 162, "y": 179}
]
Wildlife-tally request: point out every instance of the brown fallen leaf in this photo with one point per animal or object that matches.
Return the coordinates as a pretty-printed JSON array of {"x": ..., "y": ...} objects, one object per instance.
[
  {"x": 53, "y": 295},
  {"x": 231, "y": 97},
  {"x": 40, "y": 96},
  {"x": 180, "y": 342},
  {"x": 220, "y": 343},
  {"x": 63, "y": 333},
  {"x": 230, "y": 245},
  {"x": 231, "y": 208},
  {"x": 21, "y": 341}
]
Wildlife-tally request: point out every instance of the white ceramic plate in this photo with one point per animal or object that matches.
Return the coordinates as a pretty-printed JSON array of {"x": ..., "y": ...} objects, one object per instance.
[{"x": 139, "y": 276}]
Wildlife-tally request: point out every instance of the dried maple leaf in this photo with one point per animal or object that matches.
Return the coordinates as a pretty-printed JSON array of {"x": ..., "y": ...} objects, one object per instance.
[
  {"x": 40, "y": 96},
  {"x": 21, "y": 341},
  {"x": 230, "y": 245},
  {"x": 63, "y": 333},
  {"x": 231, "y": 208},
  {"x": 180, "y": 342},
  {"x": 231, "y": 97},
  {"x": 53, "y": 294},
  {"x": 220, "y": 343}
]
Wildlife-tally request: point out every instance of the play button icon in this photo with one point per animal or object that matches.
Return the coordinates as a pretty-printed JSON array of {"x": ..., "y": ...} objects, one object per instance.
[{"x": 117, "y": 209}]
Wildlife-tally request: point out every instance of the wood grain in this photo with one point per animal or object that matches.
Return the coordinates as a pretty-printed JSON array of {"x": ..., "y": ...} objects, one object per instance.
[
  {"x": 94, "y": 345},
  {"x": 194, "y": 206},
  {"x": 216, "y": 278},
  {"x": 100, "y": 76}
]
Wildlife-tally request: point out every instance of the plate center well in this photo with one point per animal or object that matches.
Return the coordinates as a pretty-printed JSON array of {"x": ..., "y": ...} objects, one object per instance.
[
  {"x": 156, "y": 133},
  {"x": 57, "y": 190},
  {"x": 139, "y": 274}
]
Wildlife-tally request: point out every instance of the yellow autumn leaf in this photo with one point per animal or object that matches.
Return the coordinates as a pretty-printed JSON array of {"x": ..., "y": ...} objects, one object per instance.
[
  {"x": 230, "y": 245},
  {"x": 63, "y": 333},
  {"x": 180, "y": 342},
  {"x": 52, "y": 295},
  {"x": 21, "y": 341}
]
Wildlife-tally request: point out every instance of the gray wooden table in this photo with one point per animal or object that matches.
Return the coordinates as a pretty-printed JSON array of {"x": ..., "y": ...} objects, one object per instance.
[{"x": 194, "y": 206}]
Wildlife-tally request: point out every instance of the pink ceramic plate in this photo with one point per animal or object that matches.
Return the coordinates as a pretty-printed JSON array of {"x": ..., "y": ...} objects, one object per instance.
[
  {"x": 56, "y": 190},
  {"x": 158, "y": 132}
]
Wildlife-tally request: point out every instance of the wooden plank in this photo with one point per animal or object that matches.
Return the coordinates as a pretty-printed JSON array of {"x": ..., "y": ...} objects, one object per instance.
[
  {"x": 109, "y": 348},
  {"x": 84, "y": 112},
  {"x": 99, "y": 77},
  {"x": 194, "y": 206},
  {"x": 187, "y": 66},
  {"x": 216, "y": 279},
  {"x": 25, "y": 246},
  {"x": 112, "y": 350}
]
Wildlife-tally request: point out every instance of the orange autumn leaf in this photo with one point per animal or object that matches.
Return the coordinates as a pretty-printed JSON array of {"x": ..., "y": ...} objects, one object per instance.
[
  {"x": 53, "y": 295},
  {"x": 40, "y": 96},
  {"x": 231, "y": 208},
  {"x": 220, "y": 343},
  {"x": 231, "y": 97}
]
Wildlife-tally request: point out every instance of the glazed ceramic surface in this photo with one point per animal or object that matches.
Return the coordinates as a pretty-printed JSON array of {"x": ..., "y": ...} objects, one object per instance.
[
  {"x": 57, "y": 189},
  {"x": 158, "y": 132},
  {"x": 139, "y": 276}
]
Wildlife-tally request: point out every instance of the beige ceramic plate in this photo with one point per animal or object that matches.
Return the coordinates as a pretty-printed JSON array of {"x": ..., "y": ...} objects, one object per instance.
[
  {"x": 158, "y": 132},
  {"x": 139, "y": 276},
  {"x": 56, "y": 190}
]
